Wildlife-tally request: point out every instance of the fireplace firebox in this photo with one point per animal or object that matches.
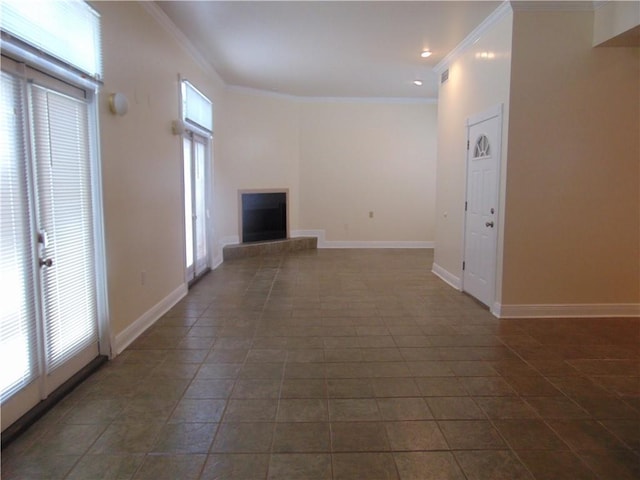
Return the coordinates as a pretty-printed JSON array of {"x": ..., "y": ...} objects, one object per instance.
[{"x": 263, "y": 215}]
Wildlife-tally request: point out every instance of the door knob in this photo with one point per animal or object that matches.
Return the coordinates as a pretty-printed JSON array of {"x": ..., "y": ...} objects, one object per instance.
[
  {"x": 489, "y": 224},
  {"x": 46, "y": 263}
]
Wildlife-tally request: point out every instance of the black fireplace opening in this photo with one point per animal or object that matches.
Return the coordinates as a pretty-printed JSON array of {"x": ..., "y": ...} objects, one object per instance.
[{"x": 264, "y": 216}]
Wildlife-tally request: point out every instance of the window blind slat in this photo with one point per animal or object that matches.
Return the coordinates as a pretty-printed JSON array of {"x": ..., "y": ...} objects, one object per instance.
[
  {"x": 18, "y": 340},
  {"x": 65, "y": 29},
  {"x": 196, "y": 107}
]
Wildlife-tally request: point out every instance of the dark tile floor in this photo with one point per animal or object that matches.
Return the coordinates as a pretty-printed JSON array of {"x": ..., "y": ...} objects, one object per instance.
[{"x": 348, "y": 364}]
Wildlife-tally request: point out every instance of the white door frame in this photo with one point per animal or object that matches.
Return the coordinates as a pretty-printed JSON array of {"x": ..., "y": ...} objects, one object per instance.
[
  {"x": 492, "y": 112},
  {"x": 197, "y": 136}
]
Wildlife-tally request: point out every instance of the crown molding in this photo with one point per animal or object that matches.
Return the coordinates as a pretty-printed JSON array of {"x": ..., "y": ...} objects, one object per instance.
[
  {"x": 303, "y": 99},
  {"x": 164, "y": 21},
  {"x": 474, "y": 36},
  {"x": 554, "y": 6},
  {"x": 388, "y": 100}
]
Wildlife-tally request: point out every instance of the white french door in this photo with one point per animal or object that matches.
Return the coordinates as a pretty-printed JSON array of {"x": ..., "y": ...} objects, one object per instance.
[
  {"x": 49, "y": 312},
  {"x": 196, "y": 213}
]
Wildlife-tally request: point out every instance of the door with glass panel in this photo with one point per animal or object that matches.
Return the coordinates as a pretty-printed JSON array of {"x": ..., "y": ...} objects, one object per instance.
[
  {"x": 49, "y": 319},
  {"x": 195, "y": 148}
]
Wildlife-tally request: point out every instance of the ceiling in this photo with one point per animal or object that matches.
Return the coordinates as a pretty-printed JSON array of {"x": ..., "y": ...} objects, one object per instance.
[{"x": 328, "y": 49}]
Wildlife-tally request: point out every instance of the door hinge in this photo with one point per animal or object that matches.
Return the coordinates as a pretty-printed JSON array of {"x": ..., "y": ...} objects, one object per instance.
[
  {"x": 465, "y": 206},
  {"x": 463, "y": 265},
  {"x": 467, "y": 144}
]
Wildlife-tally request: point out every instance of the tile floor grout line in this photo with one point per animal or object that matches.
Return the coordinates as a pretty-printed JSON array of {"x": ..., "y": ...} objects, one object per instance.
[{"x": 456, "y": 335}]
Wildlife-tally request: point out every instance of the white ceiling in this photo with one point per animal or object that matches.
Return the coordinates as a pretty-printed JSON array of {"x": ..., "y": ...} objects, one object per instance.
[{"x": 328, "y": 49}]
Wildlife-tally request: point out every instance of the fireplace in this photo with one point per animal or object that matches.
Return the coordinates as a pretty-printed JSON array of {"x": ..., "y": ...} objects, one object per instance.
[{"x": 263, "y": 215}]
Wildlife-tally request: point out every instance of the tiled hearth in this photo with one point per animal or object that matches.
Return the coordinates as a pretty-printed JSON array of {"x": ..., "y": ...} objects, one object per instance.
[{"x": 273, "y": 247}]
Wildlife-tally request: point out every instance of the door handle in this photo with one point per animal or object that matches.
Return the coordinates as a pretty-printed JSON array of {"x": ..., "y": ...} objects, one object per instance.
[
  {"x": 489, "y": 224},
  {"x": 46, "y": 263}
]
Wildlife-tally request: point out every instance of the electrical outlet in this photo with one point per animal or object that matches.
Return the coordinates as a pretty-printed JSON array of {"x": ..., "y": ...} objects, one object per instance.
[{"x": 371, "y": 214}]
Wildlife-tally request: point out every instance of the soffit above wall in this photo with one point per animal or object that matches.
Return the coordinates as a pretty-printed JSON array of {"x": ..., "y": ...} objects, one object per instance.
[
  {"x": 630, "y": 38},
  {"x": 551, "y": 5}
]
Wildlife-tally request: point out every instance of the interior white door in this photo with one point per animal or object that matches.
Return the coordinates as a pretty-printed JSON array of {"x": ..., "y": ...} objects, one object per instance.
[{"x": 481, "y": 207}]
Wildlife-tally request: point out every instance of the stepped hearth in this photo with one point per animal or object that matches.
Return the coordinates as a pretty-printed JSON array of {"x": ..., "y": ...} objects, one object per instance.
[{"x": 274, "y": 247}]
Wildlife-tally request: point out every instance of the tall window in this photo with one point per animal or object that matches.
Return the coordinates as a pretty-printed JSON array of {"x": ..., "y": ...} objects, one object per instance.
[
  {"x": 53, "y": 315},
  {"x": 197, "y": 115}
]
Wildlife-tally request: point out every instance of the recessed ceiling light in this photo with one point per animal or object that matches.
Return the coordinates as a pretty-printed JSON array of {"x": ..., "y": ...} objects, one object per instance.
[
  {"x": 417, "y": 82},
  {"x": 425, "y": 53}
]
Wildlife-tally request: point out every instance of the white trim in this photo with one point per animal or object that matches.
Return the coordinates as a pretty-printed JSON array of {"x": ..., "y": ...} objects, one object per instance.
[
  {"x": 446, "y": 276},
  {"x": 599, "y": 3},
  {"x": 164, "y": 21},
  {"x": 216, "y": 262},
  {"x": 299, "y": 98},
  {"x": 229, "y": 240},
  {"x": 391, "y": 100},
  {"x": 473, "y": 37},
  {"x": 495, "y": 309},
  {"x": 259, "y": 93},
  {"x": 488, "y": 114},
  {"x": 105, "y": 334},
  {"x": 324, "y": 243},
  {"x": 151, "y": 316},
  {"x": 554, "y": 5},
  {"x": 586, "y": 310},
  {"x": 376, "y": 244}
]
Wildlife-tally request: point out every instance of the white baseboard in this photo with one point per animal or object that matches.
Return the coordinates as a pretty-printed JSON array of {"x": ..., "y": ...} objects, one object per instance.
[
  {"x": 446, "y": 276},
  {"x": 588, "y": 310},
  {"x": 216, "y": 262},
  {"x": 229, "y": 240},
  {"x": 375, "y": 244},
  {"x": 151, "y": 316},
  {"x": 324, "y": 243},
  {"x": 496, "y": 309}
]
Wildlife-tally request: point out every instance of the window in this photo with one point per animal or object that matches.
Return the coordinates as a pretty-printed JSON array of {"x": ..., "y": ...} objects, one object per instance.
[
  {"x": 482, "y": 148},
  {"x": 66, "y": 30},
  {"x": 196, "y": 108}
]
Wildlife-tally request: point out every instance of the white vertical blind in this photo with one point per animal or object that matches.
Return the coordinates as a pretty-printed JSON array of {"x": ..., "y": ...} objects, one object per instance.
[
  {"x": 196, "y": 108},
  {"x": 65, "y": 29},
  {"x": 18, "y": 340},
  {"x": 61, "y": 155}
]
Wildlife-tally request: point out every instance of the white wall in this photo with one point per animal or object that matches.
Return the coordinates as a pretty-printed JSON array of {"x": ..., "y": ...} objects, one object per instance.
[
  {"x": 476, "y": 83},
  {"x": 340, "y": 160},
  {"x": 258, "y": 148},
  {"x": 141, "y": 160},
  {"x": 357, "y": 158}
]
